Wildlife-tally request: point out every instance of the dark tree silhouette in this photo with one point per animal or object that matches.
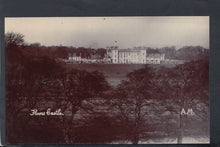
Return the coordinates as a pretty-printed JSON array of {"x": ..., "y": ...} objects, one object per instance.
[
  {"x": 185, "y": 87},
  {"x": 12, "y": 38},
  {"x": 135, "y": 106}
]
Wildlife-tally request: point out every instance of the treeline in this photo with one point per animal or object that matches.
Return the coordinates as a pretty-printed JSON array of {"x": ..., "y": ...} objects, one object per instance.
[
  {"x": 187, "y": 53},
  {"x": 144, "y": 107},
  {"x": 64, "y": 52}
]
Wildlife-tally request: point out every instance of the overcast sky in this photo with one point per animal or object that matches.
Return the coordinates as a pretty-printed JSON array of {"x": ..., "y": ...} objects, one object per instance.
[{"x": 105, "y": 31}]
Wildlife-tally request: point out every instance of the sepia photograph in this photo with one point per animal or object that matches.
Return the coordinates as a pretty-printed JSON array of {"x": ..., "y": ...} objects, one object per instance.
[{"x": 107, "y": 80}]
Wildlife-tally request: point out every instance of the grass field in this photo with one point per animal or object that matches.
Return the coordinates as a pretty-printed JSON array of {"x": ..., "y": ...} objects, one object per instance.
[{"x": 114, "y": 73}]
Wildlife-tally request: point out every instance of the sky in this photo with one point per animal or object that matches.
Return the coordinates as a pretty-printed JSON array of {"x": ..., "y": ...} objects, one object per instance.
[{"x": 125, "y": 32}]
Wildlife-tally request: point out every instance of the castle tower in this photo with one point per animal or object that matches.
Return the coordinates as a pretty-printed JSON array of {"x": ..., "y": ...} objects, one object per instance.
[
  {"x": 114, "y": 50},
  {"x": 143, "y": 56}
]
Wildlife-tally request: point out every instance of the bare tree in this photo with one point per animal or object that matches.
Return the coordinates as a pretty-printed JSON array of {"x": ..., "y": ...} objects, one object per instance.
[
  {"x": 185, "y": 92},
  {"x": 12, "y": 38},
  {"x": 134, "y": 106}
]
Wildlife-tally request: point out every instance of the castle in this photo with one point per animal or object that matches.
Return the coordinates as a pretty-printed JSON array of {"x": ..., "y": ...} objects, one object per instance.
[
  {"x": 134, "y": 56},
  {"x": 137, "y": 55}
]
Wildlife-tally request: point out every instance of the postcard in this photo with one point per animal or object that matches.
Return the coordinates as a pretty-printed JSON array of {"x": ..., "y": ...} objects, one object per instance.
[{"x": 107, "y": 80}]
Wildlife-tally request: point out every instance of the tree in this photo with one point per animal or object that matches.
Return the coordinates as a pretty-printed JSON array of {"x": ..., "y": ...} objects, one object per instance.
[
  {"x": 75, "y": 87},
  {"x": 101, "y": 52},
  {"x": 26, "y": 84},
  {"x": 13, "y": 47},
  {"x": 134, "y": 106},
  {"x": 98, "y": 128},
  {"x": 184, "y": 88},
  {"x": 156, "y": 98},
  {"x": 189, "y": 53},
  {"x": 37, "y": 81},
  {"x": 12, "y": 38},
  {"x": 170, "y": 52}
]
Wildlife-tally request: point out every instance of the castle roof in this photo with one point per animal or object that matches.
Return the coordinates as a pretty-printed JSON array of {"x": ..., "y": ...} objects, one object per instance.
[{"x": 130, "y": 50}]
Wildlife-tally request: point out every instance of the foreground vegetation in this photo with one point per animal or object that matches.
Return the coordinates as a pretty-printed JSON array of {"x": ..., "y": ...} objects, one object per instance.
[{"x": 146, "y": 105}]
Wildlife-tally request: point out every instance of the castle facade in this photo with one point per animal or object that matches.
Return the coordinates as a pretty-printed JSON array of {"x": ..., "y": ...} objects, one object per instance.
[{"x": 133, "y": 56}]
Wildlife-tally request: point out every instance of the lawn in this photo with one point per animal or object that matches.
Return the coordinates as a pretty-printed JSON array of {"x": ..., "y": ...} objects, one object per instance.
[{"x": 114, "y": 73}]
